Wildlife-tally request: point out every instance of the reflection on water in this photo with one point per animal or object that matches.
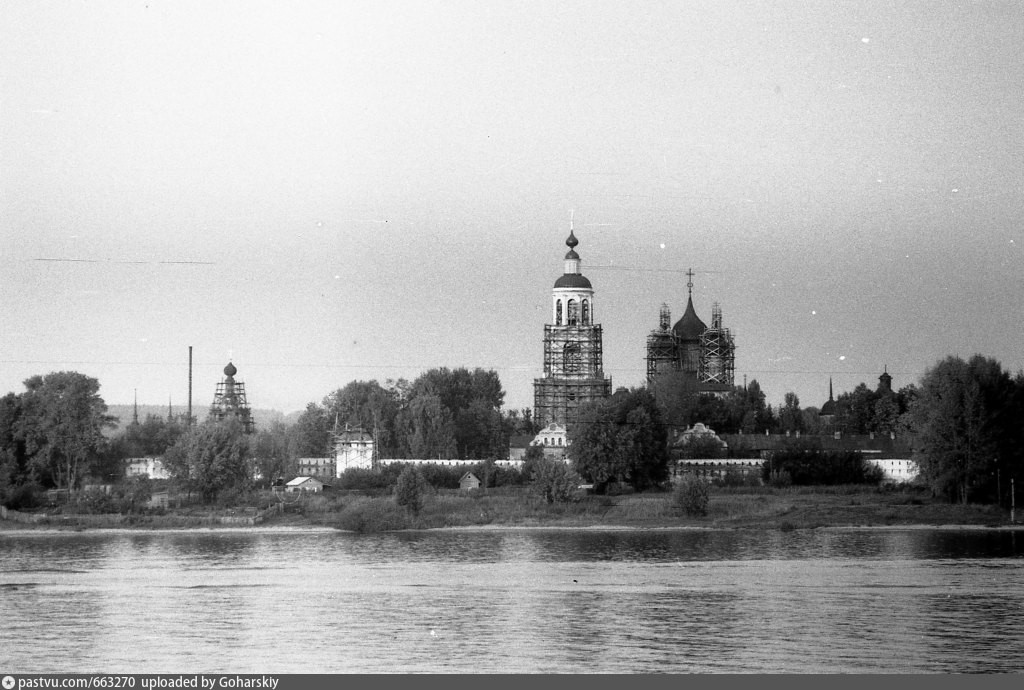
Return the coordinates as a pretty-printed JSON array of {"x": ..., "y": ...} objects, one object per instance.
[{"x": 584, "y": 601}]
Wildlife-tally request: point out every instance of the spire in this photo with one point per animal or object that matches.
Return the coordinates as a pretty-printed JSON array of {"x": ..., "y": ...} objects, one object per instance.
[
  {"x": 135, "y": 409},
  {"x": 830, "y": 389},
  {"x": 170, "y": 414}
]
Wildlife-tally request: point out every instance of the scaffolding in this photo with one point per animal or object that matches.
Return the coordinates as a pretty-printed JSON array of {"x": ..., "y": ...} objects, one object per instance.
[
  {"x": 661, "y": 346},
  {"x": 555, "y": 401},
  {"x": 718, "y": 352},
  {"x": 229, "y": 401},
  {"x": 573, "y": 352},
  {"x": 573, "y": 373}
]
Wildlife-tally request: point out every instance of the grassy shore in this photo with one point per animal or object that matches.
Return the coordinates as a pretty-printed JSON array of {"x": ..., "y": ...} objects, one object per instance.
[{"x": 728, "y": 508}]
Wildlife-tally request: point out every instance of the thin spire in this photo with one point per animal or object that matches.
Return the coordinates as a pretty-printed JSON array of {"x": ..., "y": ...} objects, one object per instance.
[
  {"x": 830, "y": 388},
  {"x": 170, "y": 413},
  {"x": 135, "y": 410}
]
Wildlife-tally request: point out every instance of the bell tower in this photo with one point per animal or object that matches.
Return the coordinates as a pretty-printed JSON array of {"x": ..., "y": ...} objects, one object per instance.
[{"x": 573, "y": 369}]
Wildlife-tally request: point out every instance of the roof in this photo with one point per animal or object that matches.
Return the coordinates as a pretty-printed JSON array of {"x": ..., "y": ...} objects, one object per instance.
[
  {"x": 573, "y": 280},
  {"x": 829, "y": 408},
  {"x": 302, "y": 480},
  {"x": 469, "y": 475},
  {"x": 689, "y": 327},
  {"x": 520, "y": 440},
  {"x": 881, "y": 443}
]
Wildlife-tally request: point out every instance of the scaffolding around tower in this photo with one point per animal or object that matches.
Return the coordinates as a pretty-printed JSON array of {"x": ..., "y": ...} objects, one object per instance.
[
  {"x": 718, "y": 352},
  {"x": 661, "y": 345},
  {"x": 230, "y": 402}
]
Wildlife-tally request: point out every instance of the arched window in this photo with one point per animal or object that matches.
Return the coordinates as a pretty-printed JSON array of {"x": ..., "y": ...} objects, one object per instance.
[
  {"x": 572, "y": 358},
  {"x": 558, "y": 313},
  {"x": 586, "y": 312},
  {"x": 572, "y": 313}
]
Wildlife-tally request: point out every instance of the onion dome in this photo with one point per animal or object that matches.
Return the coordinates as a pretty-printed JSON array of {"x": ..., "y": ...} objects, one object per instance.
[
  {"x": 230, "y": 370},
  {"x": 572, "y": 277},
  {"x": 690, "y": 327}
]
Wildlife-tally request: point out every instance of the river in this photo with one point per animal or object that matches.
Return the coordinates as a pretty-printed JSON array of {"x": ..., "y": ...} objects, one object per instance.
[{"x": 587, "y": 601}]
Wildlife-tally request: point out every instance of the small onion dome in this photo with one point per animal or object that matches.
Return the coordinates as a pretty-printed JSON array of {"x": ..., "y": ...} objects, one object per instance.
[
  {"x": 230, "y": 370},
  {"x": 571, "y": 242},
  {"x": 571, "y": 254},
  {"x": 573, "y": 280},
  {"x": 690, "y": 327}
]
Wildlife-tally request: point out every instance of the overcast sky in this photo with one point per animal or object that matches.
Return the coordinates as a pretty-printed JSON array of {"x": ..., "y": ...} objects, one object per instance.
[{"x": 327, "y": 192}]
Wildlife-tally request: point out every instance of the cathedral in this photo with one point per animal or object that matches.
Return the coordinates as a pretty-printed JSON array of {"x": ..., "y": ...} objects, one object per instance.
[
  {"x": 573, "y": 372},
  {"x": 706, "y": 354}
]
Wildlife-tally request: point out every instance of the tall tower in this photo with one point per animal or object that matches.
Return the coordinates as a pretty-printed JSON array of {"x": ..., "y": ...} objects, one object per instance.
[
  {"x": 229, "y": 400},
  {"x": 573, "y": 370},
  {"x": 718, "y": 352}
]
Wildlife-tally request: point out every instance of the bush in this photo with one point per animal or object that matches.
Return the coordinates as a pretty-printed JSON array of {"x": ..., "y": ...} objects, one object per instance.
[
  {"x": 409, "y": 490},
  {"x": 691, "y": 495},
  {"x": 22, "y": 497},
  {"x": 555, "y": 481},
  {"x": 779, "y": 479},
  {"x": 369, "y": 515}
]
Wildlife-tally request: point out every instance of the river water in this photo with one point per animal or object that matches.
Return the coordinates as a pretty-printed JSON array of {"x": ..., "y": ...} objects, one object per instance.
[{"x": 512, "y": 601}]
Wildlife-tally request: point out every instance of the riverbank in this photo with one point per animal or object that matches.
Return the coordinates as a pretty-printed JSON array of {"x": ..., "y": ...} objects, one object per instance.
[{"x": 742, "y": 508}]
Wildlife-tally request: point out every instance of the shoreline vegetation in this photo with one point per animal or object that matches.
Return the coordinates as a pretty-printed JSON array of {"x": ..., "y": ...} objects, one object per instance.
[{"x": 515, "y": 508}]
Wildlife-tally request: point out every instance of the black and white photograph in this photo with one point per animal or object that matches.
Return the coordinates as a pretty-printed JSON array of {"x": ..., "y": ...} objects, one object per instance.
[{"x": 459, "y": 337}]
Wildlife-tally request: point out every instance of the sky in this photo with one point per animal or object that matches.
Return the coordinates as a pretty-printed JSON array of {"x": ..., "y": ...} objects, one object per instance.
[{"x": 324, "y": 192}]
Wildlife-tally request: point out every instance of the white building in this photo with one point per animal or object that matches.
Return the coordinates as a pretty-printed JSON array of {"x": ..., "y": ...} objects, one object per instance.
[
  {"x": 146, "y": 467},
  {"x": 311, "y": 484},
  {"x": 352, "y": 448}
]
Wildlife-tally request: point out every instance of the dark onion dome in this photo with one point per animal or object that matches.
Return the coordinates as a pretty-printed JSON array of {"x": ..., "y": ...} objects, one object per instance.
[
  {"x": 571, "y": 254},
  {"x": 573, "y": 280},
  {"x": 571, "y": 242},
  {"x": 690, "y": 327},
  {"x": 230, "y": 370},
  {"x": 828, "y": 409}
]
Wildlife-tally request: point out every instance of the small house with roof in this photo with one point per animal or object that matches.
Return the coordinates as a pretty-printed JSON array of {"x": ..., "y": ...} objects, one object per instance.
[
  {"x": 469, "y": 481},
  {"x": 299, "y": 484}
]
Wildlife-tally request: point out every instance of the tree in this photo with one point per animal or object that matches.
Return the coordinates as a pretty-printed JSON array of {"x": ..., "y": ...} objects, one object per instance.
[
  {"x": 409, "y": 489},
  {"x": 965, "y": 418},
  {"x": 791, "y": 418},
  {"x": 311, "y": 433},
  {"x": 431, "y": 430},
  {"x": 212, "y": 458},
  {"x": 620, "y": 439},
  {"x": 555, "y": 481},
  {"x": 61, "y": 423},
  {"x": 270, "y": 448}
]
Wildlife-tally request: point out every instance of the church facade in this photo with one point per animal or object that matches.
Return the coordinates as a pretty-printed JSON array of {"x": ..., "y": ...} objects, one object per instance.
[
  {"x": 705, "y": 354},
  {"x": 573, "y": 368}
]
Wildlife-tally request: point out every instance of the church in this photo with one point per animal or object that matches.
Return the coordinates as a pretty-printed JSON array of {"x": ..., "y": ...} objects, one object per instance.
[
  {"x": 705, "y": 354},
  {"x": 573, "y": 369}
]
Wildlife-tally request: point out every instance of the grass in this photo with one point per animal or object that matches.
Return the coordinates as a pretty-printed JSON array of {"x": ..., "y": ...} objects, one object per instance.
[{"x": 758, "y": 507}]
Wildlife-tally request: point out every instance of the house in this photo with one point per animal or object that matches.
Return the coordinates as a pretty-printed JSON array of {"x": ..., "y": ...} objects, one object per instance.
[
  {"x": 149, "y": 467},
  {"x": 311, "y": 484},
  {"x": 469, "y": 481},
  {"x": 322, "y": 467},
  {"x": 159, "y": 499}
]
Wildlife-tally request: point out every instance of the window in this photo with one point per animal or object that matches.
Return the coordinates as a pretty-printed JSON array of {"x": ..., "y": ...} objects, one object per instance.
[
  {"x": 572, "y": 358},
  {"x": 558, "y": 313},
  {"x": 586, "y": 312},
  {"x": 572, "y": 312}
]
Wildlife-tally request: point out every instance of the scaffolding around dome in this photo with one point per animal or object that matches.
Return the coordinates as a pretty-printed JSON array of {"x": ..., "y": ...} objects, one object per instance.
[
  {"x": 705, "y": 353},
  {"x": 229, "y": 401}
]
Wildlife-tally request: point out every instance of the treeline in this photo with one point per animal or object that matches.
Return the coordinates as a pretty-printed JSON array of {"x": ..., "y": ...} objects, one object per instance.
[{"x": 444, "y": 413}]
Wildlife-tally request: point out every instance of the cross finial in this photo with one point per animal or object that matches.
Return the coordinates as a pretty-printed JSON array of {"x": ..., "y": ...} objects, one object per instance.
[
  {"x": 572, "y": 216},
  {"x": 689, "y": 282}
]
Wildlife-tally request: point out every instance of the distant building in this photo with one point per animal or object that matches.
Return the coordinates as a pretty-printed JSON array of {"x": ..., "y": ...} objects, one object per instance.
[
  {"x": 146, "y": 467},
  {"x": 229, "y": 401},
  {"x": 573, "y": 369},
  {"x": 310, "y": 484},
  {"x": 353, "y": 448},
  {"x": 469, "y": 481},
  {"x": 706, "y": 355},
  {"x": 323, "y": 468}
]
